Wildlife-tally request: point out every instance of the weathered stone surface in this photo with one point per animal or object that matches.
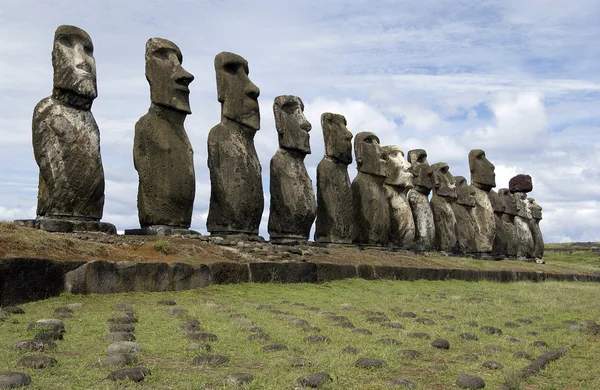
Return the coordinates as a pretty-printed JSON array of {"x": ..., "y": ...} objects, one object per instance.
[
  {"x": 399, "y": 180},
  {"x": 293, "y": 205},
  {"x": 49, "y": 324},
  {"x": 119, "y": 336},
  {"x": 463, "y": 212},
  {"x": 66, "y": 139},
  {"x": 401, "y": 382},
  {"x": 364, "y": 362},
  {"x": 419, "y": 202},
  {"x": 524, "y": 236},
  {"x": 492, "y": 365},
  {"x": 351, "y": 350},
  {"x": 534, "y": 226},
  {"x": 335, "y": 213},
  {"x": 501, "y": 238},
  {"x": 371, "y": 211},
  {"x": 162, "y": 153},
  {"x": 124, "y": 347},
  {"x": 411, "y": 354},
  {"x": 36, "y": 361},
  {"x": 508, "y": 219},
  {"x": 11, "y": 380},
  {"x": 13, "y": 310},
  {"x": 48, "y": 336},
  {"x": 440, "y": 344},
  {"x": 468, "y": 336},
  {"x": 275, "y": 347},
  {"x": 119, "y": 359},
  {"x": 314, "y": 380},
  {"x": 444, "y": 194},
  {"x": 238, "y": 379},
  {"x": 34, "y": 345},
  {"x": 236, "y": 197},
  {"x": 135, "y": 374},
  {"x": 465, "y": 381},
  {"x": 265, "y": 272},
  {"x": 483, "y": 179},
  {"x": 520, "y": 183}
]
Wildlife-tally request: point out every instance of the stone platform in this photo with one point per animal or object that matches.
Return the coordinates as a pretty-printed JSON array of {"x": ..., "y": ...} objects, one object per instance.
[
  {"x": 160, "y": 230},
  {"x": 59, "y": 225}
]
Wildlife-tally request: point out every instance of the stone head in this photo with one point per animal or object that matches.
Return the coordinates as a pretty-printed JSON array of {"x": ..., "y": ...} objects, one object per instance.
[
  {"x": 369, "y": 155},
  {"x": 536, "y": 209},
  {"x": 168, "y": 80},
  {"x": 497, "y": 202},
  {"x": 398, "y": 170},
  {"x": 423, "y": 175},
  {"x": 465, "y": 194},
  {"x": 482, "y": 170},
  {"x": 443, "y": 181},
  {"x": 73, "y": 62},
  {"x": 236, "y": 93},
  {"x": 510, "y": 203},
  {"x": 523, "y": 205},
  {"x": 338, "y": 139},
  {"x": 292, "y": 126}
]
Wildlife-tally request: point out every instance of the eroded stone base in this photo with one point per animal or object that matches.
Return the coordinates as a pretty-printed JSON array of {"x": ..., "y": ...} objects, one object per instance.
[
  {"x": 160, "y": 230},
  {"x": 59, "y": 225}
]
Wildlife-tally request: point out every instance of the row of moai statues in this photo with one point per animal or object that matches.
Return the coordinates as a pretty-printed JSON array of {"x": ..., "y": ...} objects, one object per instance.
[{"x": 387, "y": 204}]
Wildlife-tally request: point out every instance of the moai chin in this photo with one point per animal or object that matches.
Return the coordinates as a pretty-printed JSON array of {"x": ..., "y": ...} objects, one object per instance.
[
  {"x": 371, "y": 210},
  {"x": 398, "y": 181},
  {"x": 162, "y": 153},
  {"x": 419, "y": 202},
  {"x": 510, "y": 212},
  {"x": 66, "y": 141},
  {"x": 293, "y": 204},
  {"x": 463, "y": 211},
  {"x": 483, "y": 179},
  {"x": 501, "y": 238},
  {"x": 236, "y": 197},
  {"x": 534, "y": 224},
  {"x": 335, "y": 212},
  {"x": 444, "y": 194}
]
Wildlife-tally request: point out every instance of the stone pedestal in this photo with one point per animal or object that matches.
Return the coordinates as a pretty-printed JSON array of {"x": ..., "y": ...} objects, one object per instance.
[
  {"x": 159, "y": 230},
  {"x": 59, "y": 225}
]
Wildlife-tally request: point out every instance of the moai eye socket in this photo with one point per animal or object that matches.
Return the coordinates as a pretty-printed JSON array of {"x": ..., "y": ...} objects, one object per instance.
[
  {"x": 65, "y": 41},
  {"x": 232, "y": 67}
]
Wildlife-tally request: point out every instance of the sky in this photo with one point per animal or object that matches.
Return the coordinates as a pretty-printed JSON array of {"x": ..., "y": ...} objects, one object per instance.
[{"x": 517, "y": 78}]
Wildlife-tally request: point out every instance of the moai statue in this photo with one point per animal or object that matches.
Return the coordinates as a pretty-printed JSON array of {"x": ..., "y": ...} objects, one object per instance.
[
  {"x": 66, "y": 141},
  {"x": 519, "y": 186},
  {"x": 463, "y": 211},
  {"x": 444, "y": 194},
  {"x": 371, "y": 210},
  {"x": 483, "y": 179},
  {"x": 419, "y": 202},
  {"x": 399, "y": 180},
  {"x": 335, "y": 212},
  {"x": 162, "y": 153},
  {"x": 501, "y": 239},
  {"x": 236, "y": 195},
  {"x": 534, "y": 225},
  {"x": 510, "y": 212},
  {"x": 293, "y": 204}
]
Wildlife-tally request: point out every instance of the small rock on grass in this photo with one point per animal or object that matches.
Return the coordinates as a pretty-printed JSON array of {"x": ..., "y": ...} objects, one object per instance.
[
  {"x": 119, "y": 359},
  {"x": 299, "y": 363},
  {"x": 521, "y": 355},
  {"x": 351, "y": 350},
  {"x": 388, "y": 341},
  {"x": 13, "y": 310},
  {"x": 238, "y": 379},
  {"x": 36, "y": 361},
  {"x": 197, "y": 346},
  {"x": 202, "y": 336},
  {"x": 492, "y": 365},
  {"x": 124, "y": 347},
  {"x": 491, "y": 330},
  {"x": 364, "y": 362},
  {"x": 465, "y": 381},
  {"x": 317, "y": 339},
  {"x": 402, "y": 383},
  {"x": 362, "y": 331},
  {"x": 136, "y": 374},
  {"x": 210, "y": 360},
  {"x": 119, "y": 336},
  {"x": 274, "y": 347},
  {"x": 540, "y": 344},
  {"x": 48, "y": 336},
  {"x": 411, "y": 354},
  {"x": 74, "y": 306},
  {"x": 52, "y": 324},
  {"x": 419, "y": 335},
  {"x": 440, "y": 344},
  {"x": 121, "y": 328},
  {"x": 314, "y": 380},
  {"x": 9, "y": 380},
  {"x": 34, "y": 345},
  {"x": 468, "y": 356}
]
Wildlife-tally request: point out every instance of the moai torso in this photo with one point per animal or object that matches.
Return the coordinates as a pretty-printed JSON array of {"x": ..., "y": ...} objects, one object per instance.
[
  {"x": 444, "y": 194},
  {"x": 463, "y": 211},
  {"x": 162, "y": 153},
  {"x": 371, "y": 210},
  {"x": 399, "y": 180},
  {"x": 419, "y": 202},
  {"x": 483, "y": 179},
  {"x": 236, "y": 197},
  {"x": 293, "y": 205},
  {"x": 534, "y": 225},
  {"x": 335, "y": 212},
  {"x": 66, "y": 139},
  {"x": 510, "y": 211},
  {"x": 501, "y": 239},
  {"x": 524, "y": 236}
]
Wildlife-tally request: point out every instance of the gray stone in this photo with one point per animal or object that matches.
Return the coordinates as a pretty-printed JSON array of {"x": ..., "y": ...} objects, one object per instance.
[
  {"x": 399, "y": 180},
  {"x": 66, "y": 139},
  {"x": 407, "y": 314},
  {"x": 362, "y": 331},
  {"x": 465, "y": 381},
  {"x": 364, "y": 362},
  {"x": 440, "y": 344},
  {"x": 524, "y": 236},
  {"x": 501, "y": 237},
  {"x": 238, "y": 379},
  {"x": 196, "y": 346},
  {"x": 48, "y": 336},
  {"x": 135, "y": 374},
  {"x": 293, "y": 205},
  {"x": 371, "y": 210},
  {"x": 351, "y": 350},
  {"x": 314, "y": 380},
  {"x": 508, "y": 219},
  {"x": 419, "y": 335},
  {"x": 299, "y": 363},
  {"x": 236, "y": 198},
  {"x": 534, "y": 226},
  {"x": 119, "y": 336},
  {"x": 274, "y": 347},
  {"x": 124, "y": 347},
  {"x": 48, "y": 324},
  {"x": 424, "y": 321},
  {"x": 210, "y": 360},
  {"x": 540, "y": 344},
  {"x": 13, "y": 310},
  {"x": 317, "y": 339},
  {"x": 74, "y": 306},
  {"x": 121, "y": 328},
  {"x": 492, "y": 365},
  {"x": 34, "y": 345},
  {"x": 119, "y": 359},
  {"x": 483, "y": 179},
  {"x": 411, "y": 354},
  {"x": 202, "y": 336},
  {"x": 122, "y": 318},
  {"x": 335, "y": 213},
  {"x": 36, "y": 361},
  {"x": 419, "y": 202},
  {"x": 491, "y": 330},
  {"x": 463, "y": 212},
  {"x": 388, "y": 341},
  {"x": 521, "y": 355},
  {"x": 444, "y": 194},
  {"x": 12, "y": 380},
  {"x": 468, "y": 336}
]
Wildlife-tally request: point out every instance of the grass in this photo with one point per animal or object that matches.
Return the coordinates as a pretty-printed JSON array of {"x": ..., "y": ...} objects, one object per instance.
[{"x": 165, "y": 351}]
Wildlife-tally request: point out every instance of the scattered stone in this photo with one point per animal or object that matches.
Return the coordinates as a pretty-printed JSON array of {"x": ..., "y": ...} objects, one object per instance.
[
  {"x": 521, "y": 355},
  {"x": 438, "y": 368},
  {"x": 259, "y": 336},
  {"x": 121, "y": 328},
  {"x": 494, "y": 348},
  {"x": 510, "y": 324},
  {"x": 136, "y": 374},
  {"x": 9, "y": 380},
  {"x": 314, "y": 380},
  {"x": 419, "y": 335},
  {"x": 63, "y": 309},
  {"x": 13, "y": 310},
  {"x": 468, "y": 336},
  {"x": 202, "y": 336},
  {"x": 540, "y": 344},
  {"x": 449, "y": 328},
  {"x": 34, "y": 345},
  {"x": 122, "y": 318},
  {"x": 119, "y": 359},
  {"x": 197, "y": 346},
  {"x": 411, "y": 354},
  {"x": 36, "y": 361},
  {"x": 351, "y": 350},
  {"x": 465, "y": 381},
  {"x": 407, "y": 314},
  {"x": 48, "y": 336},
  {"x": 376, "y": 320},
  {"x": 524, "y": 320},
  {"x": 210, "y": 360},
  {"x": 440, "y": 344},
  {"x": 492, "y": 365},
  {"x": 401, "y": 382},
  {"x": 393, "y": 325},
  {"x": 166, "y": 303},
  {"x": 468, "y": 356},
  {"x": 424, "y": 321},
  {"x": 191, "y": 325},
  {"x": 317, "y": 339},
  {"x": 274, "y": 347},
  {"x": 364, "y": 362},
  {"x": 238, "y": 379},
  {"x": 124, "y": 347},
  {"x": 513, "y": 340},
  {"x": 388, "y": 341},
  {"x": 362, "y": 331},
  {"x": 51, "y": 324},
  {"x": 299, "y": 363},
  {"x": 119, "y": 336},
  {"x": 532, "y": 333},
  {"x": 490, "y": 330}
]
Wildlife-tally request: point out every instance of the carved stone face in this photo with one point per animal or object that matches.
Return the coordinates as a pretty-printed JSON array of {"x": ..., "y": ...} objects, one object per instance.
[
  {"x": 536, "y": 209},
  {"x": 398, "y": 170},
  {"x": 482, "y": 170},
  {"x": 496, "y": 201},
  {"x": 168, "y": 80},
  {"x": 237, "y": 94},
  {"x": 73, "y": 62},
  {"x": 423, "y": 176},
  {"x": 465, "y": 194},
  {"x": 523, "y": 206},
  {"x": 443, "y": 180},
  {"x": 338, "y": 139},
  {"x": 369, "y": 155},
  {"x": 292, "y": 126},
  {"x": 510, "y": 203}
]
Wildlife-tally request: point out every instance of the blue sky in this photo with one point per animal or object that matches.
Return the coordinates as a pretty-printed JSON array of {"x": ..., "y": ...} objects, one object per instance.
[{"x": 519, "y": 79}]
